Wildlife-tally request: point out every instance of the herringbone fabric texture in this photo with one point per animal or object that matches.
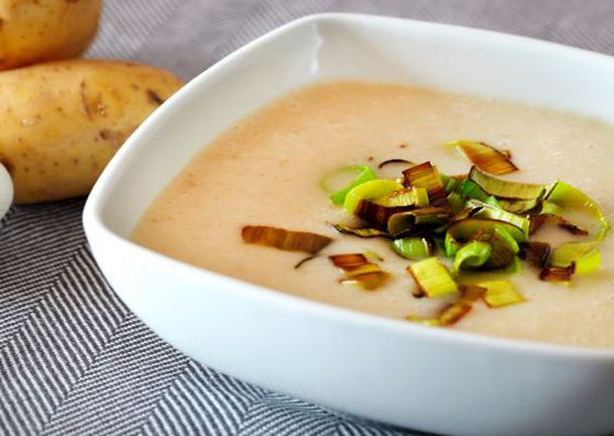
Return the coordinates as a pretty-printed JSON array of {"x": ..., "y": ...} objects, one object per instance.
[{"x": 73, "y": 359}]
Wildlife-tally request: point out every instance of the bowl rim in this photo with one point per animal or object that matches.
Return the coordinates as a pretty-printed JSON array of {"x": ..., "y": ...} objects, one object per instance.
[{"x": 95, "y": 228}]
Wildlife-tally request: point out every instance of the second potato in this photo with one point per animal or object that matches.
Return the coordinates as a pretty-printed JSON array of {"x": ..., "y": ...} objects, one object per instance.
[{"x": 63, "y": 121}]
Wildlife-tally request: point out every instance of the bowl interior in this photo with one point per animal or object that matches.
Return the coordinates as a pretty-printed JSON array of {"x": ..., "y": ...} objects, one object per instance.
[{"x": 328, "y": 47}]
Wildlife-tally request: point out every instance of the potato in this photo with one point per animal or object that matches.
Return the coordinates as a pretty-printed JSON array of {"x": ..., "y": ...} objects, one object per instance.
[
  {"x": 34, "y": 31},
  {"x": 62, "y": 121}
]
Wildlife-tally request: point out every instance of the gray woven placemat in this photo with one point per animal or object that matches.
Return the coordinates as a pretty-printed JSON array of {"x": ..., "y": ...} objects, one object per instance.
[{"x": 73, "y": 359}]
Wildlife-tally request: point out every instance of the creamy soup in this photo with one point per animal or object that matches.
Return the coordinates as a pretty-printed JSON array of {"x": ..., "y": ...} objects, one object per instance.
[{"x": 265, "y": 170}]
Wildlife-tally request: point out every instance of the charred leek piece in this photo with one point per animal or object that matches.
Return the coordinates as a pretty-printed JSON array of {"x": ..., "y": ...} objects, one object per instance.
[
  {"x": 432, "y": 278},
  {"x": 426, "y": 176},
  {"x": 412, "y": 248},
  {"x": 558, "y": 274},
  {"x": 501, "y": 293},
  {"x": 394, "y": 161},
  {"x": 359, "y": 271},
  {"x": 363, "y": 174},
  {"x": 417, "y": 197},
  {"x": 376, "y": 214},
  {"x": 486, "y": 157},
  {"x": 369, "y": 191},
  {"x": 303, "y": 261},
  {"x": 284, "y": 239},
  {"x": 472, "y": 255},
  {"x": 417, "y": 220},
  {"x": 536, "y": 253},
  {"x": 362, "y": 232},
  {"x": 566, "y": 196},
  {"x": 472, "y": 292},
  {"x": 453, "y": 313},
  {"x": 537, "y": 221},
  {"x": 584, "y": 255},
  {"x": 505, "y": 189}
]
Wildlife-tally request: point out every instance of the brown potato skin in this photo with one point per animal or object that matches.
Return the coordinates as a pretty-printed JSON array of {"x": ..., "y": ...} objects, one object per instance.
[
  {"x": 33, "y": 31},
  {"x": 63, "y": 121}
]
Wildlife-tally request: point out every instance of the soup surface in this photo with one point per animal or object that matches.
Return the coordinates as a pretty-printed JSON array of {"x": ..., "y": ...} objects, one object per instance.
[{"x": 265, "y": 170}]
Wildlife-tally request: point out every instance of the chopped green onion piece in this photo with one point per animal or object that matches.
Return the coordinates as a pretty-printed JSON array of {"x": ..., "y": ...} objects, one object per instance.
[
  {"x": 432, "y": 278},
  {"x": 505, "y": 189},
  {"x": 365, "y": 174},
  {"x": 493, "y": 213},
  {"x": 472, "y": 255},
  {"x": 417, "y": 220},
  {"x": 501, "y": 293},
  {"x": 564, "y": 195},
  {"x": 585, "y": 255},
  {"x": 412, "y": 248},
  {"x": 363, "y": 232},
  {"x": 485, "y": 157},
  {"x": 369, "y": 190}
]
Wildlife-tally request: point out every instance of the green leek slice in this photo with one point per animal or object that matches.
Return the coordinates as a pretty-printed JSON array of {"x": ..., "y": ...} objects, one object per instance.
[
  {"x": 493, "y": 213},
  {"x": 472, "y": 255},
  {"x": 432, "y": 278},
  {"x": 500, "y": 293},
  {"x": 520, "y": 206},
  {"x": 465, "y": 230},
  {"x": 470, "y": 189},
  {"x": 369, "y": 190},
  {"x": 585, "y": 255},
  {"x": 564, "y": 195},
  {"x": 364, "y": 174},
  {"x": 455, "y": 201},
  {"x": 505, "y": 189},
  {"x": 412, "y": 248}
]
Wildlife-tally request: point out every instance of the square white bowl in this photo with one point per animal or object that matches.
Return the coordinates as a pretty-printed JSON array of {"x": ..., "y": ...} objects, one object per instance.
[{"x": 392, "y": 371}]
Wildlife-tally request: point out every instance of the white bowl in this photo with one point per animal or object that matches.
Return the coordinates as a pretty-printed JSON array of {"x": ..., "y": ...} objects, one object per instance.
[{"x": 383, "y": 369}]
